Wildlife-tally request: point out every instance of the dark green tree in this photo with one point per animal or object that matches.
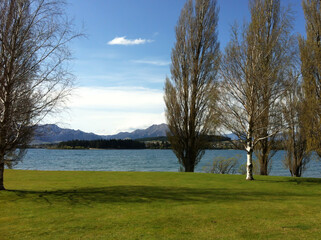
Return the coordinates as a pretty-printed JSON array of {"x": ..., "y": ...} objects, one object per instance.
[{"x": 191, "y": 92}]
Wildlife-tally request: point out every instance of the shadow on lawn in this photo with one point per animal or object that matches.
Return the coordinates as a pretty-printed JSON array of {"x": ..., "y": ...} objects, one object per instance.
[
  {"x": 297, "y": 180},
  {"x": 143, "y": 194}
]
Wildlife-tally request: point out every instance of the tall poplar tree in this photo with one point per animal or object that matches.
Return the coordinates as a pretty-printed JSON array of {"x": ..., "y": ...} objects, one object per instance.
[
  {"x": 190, "y": 93},
  {"x": 294, "y": 135},
  {"x": 252, "y": 70},
  {"x": 310, "y": 53},
  {"x": 269, "y": 22}
]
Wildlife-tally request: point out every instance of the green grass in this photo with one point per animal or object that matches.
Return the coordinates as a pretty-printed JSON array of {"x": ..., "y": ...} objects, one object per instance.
[{"x": 143, "y": 205}]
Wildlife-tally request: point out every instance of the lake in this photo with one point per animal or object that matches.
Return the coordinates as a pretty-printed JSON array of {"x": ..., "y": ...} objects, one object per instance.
[{"x": 137, "y": 160}]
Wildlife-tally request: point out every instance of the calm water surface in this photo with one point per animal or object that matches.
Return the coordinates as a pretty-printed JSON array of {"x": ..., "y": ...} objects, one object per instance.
[{"x": 137, "y": 160}]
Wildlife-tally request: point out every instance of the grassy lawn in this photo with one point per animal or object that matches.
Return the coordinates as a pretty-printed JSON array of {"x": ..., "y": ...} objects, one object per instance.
[{"x": 144, "y": 205}]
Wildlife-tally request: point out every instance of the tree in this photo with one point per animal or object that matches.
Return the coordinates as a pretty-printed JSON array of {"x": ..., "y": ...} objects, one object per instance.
[
  {"x": 294, "y": 136},
  {"x": 310, "y": 53},
  {"x": 252, "y": 71},
  {"x": 265, "y": 150},
  {"x": 34, "y": 76},
  {"x": 190, "y": 94}
]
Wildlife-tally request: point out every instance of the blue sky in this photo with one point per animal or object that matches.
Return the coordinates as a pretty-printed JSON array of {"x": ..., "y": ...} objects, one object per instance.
[{"x": 121, "y": 65}]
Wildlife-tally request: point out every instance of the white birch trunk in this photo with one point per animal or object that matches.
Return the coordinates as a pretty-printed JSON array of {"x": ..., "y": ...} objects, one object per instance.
[
  {"x": 249, "y": 162},
  {"x": 249, "y": 154}
]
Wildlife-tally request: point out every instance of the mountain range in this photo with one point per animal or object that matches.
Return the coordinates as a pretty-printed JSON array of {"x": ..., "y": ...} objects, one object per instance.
[{"x": 51, "y": 133}]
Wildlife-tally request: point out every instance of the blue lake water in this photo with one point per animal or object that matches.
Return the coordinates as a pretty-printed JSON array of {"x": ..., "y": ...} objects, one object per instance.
[{"x": 137, "y": 160}]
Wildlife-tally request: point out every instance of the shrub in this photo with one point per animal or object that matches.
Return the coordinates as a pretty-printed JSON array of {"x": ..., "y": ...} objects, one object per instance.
[{"x": 223, "y": 165}]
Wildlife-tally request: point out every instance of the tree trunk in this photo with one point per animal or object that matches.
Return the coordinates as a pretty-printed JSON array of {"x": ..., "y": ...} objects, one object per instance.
[
  {"x": 263, "y": 155},
  {"x": 297, "y": 170},
  {"x": 264, "y": 164},
  {"x": 189, "y": 168},
  {"x": 249, "y": 162},
  {"x": 249, "y": 153},
  {"x": 1, "y": 176},
  {"x": 263, "y": 169}
]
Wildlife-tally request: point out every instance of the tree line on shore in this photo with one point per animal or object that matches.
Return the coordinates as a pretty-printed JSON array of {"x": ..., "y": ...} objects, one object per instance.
[
  {"x": 102, "y": 144},
  {"x": 214, "y": 142}
]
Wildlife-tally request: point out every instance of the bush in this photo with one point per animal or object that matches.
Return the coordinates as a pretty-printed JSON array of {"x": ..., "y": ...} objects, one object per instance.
[{"x": 223, "y": 165}]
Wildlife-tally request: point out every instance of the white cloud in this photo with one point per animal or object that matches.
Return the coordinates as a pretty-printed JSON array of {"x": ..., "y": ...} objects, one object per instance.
[
  {"x": 110, "y": 110},
  {"x": 124, "y": 41},
  {"x": 153, "y": 62},
  {"x": 116, "y": 98}
]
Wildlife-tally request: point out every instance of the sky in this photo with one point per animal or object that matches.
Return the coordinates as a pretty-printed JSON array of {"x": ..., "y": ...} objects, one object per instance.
[{"x": 121, "y": 64}]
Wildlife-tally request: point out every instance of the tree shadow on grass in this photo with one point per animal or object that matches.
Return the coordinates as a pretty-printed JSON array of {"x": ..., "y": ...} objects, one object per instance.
[
  {"x": 143, "y": 194},
  {"x": 306, "y": 180},
  {"x": 297, "y": 180}
]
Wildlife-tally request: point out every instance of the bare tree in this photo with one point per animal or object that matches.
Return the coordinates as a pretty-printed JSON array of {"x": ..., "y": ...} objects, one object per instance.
[
  {"x": 310, "y": 53},
  {"x": 190, "y": 94},
  {"x": 252, "y": 70},
  {"x": 294, "y": 136},
  {"x": 34, "y": 76}
]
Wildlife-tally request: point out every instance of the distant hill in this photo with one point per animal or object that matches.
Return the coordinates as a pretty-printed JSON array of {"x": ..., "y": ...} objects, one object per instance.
[
  {"x": 152, "y": 131},
  {"x": 51, "y": 133}
]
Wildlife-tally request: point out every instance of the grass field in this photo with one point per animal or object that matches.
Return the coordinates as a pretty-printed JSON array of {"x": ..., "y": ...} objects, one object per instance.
[{"x": 144, "y": 205}]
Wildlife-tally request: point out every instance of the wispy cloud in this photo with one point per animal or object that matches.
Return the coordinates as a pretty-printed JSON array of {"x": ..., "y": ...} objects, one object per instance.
[
  {"x": 124, "y": 41},
  {"x": 153, "y": 62}
]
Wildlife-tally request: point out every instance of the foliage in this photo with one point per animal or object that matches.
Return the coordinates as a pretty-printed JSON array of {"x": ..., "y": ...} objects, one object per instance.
[
  {"x": 191, "y": 93},
  {"x": 213, "y": 142},
  {"x": 157, "y": 145},
  {"x": 158, "y": 205},
  {"x": 147, "y": 139},
  {"x": 103, "y": 144},
  {"x": 223, "y": 165}
]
